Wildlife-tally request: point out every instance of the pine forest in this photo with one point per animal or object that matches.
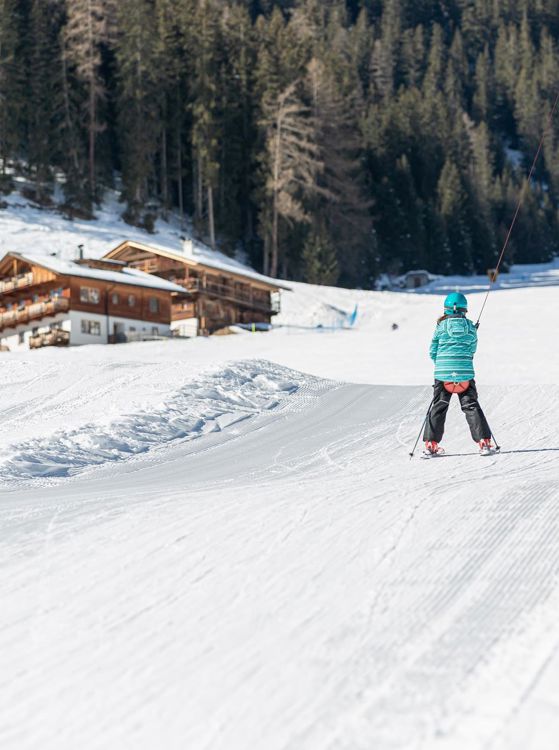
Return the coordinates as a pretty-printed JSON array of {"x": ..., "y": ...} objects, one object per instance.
[{"x": 330, "y": 141}]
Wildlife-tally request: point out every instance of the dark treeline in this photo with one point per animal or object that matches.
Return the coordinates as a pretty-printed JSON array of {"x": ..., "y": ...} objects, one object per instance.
[{"x": 332, "y": 140}]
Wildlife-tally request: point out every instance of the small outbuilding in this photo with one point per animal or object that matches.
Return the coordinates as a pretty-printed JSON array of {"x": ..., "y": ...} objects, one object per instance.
[{"x": 415, "y": 279}]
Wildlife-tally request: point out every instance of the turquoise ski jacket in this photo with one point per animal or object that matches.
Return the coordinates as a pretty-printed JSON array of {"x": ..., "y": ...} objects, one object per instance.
[{"x": 452, "y": 349}]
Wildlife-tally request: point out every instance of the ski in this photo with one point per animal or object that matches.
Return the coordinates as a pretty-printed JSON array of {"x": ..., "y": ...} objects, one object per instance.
[
  {"x": 489, "y": 451},
  {"x": 437, "y": 454},
  {"x": 425, "y": 456}
]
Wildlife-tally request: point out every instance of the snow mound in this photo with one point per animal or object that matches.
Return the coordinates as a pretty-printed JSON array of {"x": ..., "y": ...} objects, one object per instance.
[{"x": 213, "y": 402}]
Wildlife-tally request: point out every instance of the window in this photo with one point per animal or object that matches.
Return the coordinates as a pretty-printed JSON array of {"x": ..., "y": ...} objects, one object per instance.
[
  {"x": 89, "y": 295},
  {"x": 114, "y": 298},
  {"x": 91, "y": 327},
  {"x": 131, "y": 300},
  {"x": 21, "y": 338},
  {"x": 153, "y": 305},
  {"x": 155, "y": 331}
]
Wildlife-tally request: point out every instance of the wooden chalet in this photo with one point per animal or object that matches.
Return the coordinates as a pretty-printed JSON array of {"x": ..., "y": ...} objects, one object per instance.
[
  {"x": 219, "y": 293},
  {"x": 48, "y": 301}
]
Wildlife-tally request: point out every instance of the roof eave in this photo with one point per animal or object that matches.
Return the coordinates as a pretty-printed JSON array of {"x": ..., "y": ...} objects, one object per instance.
[{"x": 193, "y": 262}]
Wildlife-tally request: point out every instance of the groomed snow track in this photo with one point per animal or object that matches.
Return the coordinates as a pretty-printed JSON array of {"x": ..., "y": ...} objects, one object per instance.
[{"x": 293, "y": 582}]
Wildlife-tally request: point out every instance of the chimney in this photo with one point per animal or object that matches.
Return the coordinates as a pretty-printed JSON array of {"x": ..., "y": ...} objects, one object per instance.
[
  {"x": 80, "y": 250},
  {"x": 188, "y": 248}
]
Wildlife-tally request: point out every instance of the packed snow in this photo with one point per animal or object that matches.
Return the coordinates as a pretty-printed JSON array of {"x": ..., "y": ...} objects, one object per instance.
[{"x": 222, "y": 543}]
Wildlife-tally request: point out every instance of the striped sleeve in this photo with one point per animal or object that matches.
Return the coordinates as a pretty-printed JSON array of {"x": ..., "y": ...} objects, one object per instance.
[
  {"x": 473, "y": 331},
  {"x": 434, "y": 344}
]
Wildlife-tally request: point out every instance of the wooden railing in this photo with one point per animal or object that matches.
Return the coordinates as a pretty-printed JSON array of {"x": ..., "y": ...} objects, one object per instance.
[
  {"x": 16, "y": 282},
  {"x": 228, "y": 292},
  {"x": 183, "y": 311},
  {"x": 35, "y": 311}
]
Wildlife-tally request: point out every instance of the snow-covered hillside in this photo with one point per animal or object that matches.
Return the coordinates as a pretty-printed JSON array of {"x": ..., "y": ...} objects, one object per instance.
[
  {"x": 28, "y": 228},
  {"x": 222, "y": 543}
]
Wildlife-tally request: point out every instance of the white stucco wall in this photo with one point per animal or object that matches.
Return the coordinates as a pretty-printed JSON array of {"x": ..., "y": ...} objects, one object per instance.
[
  {"x": 188, "y": 327},
  {"x": 129, "y": 325},
  {"x": 72, "y": 322},
  {"x": 10, "y": 336}
]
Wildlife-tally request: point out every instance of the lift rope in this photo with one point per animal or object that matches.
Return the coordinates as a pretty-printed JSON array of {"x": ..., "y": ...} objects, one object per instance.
[{"x": 519, "y": 204}]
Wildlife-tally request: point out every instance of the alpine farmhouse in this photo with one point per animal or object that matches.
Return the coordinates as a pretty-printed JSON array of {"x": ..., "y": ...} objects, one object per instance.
[
  {"x": 47, "y": 301},
  {"x": 220, "y": 294}
]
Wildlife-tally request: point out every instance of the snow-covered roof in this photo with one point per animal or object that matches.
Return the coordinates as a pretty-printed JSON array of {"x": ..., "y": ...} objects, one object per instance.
[
  {"x": 203, "y": 256},
  {"x": 131, "y": 276}
]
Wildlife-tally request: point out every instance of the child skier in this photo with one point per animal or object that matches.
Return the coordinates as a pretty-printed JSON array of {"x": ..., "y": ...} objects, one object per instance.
[{"x": 452, "y": 350}]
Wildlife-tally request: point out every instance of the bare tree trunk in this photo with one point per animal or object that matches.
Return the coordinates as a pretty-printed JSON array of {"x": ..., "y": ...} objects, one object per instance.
[
  {"x": 92, "y": 118},
  {"x": 275, "y": 218},
  {"x": 266, "y": 258},
  {"x": 67, "y": 112},
  {"x": 211, "y": 220},
  {"x": 199, "y": 200},
  {"x": 284, "y": 267},
  {"x": 164, "y": 173},
  {"x": 274, "y": 253},
  {"x": 92, "y": 105},
  {"x": 179, "y": 176}
]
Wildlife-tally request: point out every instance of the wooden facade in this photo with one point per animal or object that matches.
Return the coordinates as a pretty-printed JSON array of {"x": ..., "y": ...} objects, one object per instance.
[
  {"x": 32, "y": 293},
  {"x": 216, "y": 297}
]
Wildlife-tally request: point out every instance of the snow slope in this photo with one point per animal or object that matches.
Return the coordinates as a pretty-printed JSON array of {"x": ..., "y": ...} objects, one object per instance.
[
  {"x": 221, "y": 544},
  {"x": 291, "y": 584}
]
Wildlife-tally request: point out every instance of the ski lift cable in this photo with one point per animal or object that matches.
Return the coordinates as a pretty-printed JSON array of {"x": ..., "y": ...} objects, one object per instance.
[{"x": 520, "y": 201}]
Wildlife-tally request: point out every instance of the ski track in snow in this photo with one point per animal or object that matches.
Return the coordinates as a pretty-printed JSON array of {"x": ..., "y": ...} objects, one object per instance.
[{"x": 291, "y": 584}]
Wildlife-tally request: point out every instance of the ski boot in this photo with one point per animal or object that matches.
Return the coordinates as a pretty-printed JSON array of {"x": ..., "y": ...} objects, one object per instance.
[
  {"x": 432, "y": 449},
  {"x": 486, "y": 447}
]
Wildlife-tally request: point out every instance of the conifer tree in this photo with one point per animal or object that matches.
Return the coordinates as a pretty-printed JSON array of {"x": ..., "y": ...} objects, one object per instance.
[
  {"x": 11, "y": 84},
  {"x": 43, "y": 79},
  {"x": 320, "y": 264},
  {"x": 171, "y": 66},
  {"x": 138, "y": 102},
  {"x": 86, "y": 31},
  {"x": 290, "y": 163},
  {"x": 339, "y": 200},
  {"x": 206, "y": 115},
  {"x": 237, "y": 159},
  {"x": 71, "y": 152},
  {"x": 452, "y": 200},
  {"x": 420, "y": 117}
]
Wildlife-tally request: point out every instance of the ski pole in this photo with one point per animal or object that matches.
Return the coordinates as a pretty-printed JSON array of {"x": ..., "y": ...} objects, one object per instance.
[
  {"x": 422, "y": 426},
  {"x": 497, "y": 446}
]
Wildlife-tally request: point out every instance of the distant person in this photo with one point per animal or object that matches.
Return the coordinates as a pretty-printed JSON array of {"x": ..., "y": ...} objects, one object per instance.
[{"x": 452, "y": 350}]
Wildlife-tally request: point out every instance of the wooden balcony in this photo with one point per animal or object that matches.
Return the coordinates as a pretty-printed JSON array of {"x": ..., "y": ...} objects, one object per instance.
[
  {"x": 183, "y": 310},
  {"x": 248, "y": 299},
  {"x": 35, "y": 311},
  {"x": 15, "y": 283}
]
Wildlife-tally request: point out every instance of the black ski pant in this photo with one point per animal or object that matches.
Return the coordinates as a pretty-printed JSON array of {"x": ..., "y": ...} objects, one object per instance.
[{"x": 434, "y": 427}]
